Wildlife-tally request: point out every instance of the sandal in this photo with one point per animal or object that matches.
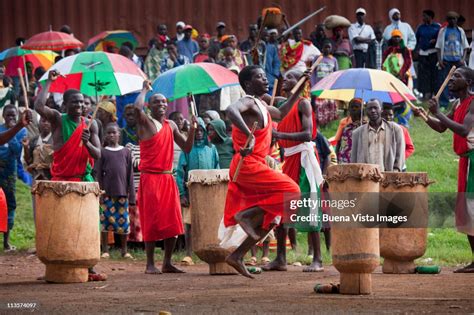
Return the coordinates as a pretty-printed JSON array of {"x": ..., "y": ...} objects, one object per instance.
[
  {"x": 128, "y": 256},
  {"x": 97, "y": 277},
  {"x": 265, "y": 260},
  {"x": 105, "y": 255},
  {"x": 10, "y": 249},
  {"x": 187, "y": 261},
  {"x": 252, "y": 261}
]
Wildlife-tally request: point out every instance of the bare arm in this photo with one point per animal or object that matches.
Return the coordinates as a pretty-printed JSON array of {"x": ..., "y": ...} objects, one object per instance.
[
  {"x": 234, "y": 113},
  {"x": 185, "y": 144},
  {"x": 306, "y": 125},
  {"x": 90, "y": 138},
  {"x": 444, "y": 122},
  {"x": 140, "y": 102},
  {"x": 10, "y": 133},
  {"x": 292, "y": 98},
  {"x": 50, "y": 114}
]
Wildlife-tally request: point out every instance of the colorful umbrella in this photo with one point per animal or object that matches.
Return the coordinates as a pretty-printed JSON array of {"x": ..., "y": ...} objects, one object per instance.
[
  {"x": 361, "y": 83},
  {"x": 97, "y": 73},
  {"x": 17, "y": 57},
  {"x": 116, "y": 38},
  {"x": 52, "y": 41},
  {"x": 194, "y": 78}
]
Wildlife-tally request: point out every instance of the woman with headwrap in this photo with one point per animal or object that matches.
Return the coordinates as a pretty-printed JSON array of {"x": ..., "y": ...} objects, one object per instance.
[
  {"x": 342, "y": 48},
  {"x": 396, "y": 59},
  {"x": 407, "y": 32}
]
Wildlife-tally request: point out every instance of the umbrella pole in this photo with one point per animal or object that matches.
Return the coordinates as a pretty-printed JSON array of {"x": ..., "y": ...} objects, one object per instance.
[{"x": 26, "y": 74}]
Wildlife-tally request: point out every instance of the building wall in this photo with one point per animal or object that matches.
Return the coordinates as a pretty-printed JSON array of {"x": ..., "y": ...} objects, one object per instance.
[{"x": 24, "y": 18}]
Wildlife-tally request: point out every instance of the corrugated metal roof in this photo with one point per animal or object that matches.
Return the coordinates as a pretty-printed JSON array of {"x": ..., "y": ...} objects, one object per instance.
[{"x": 24, "y": 18}]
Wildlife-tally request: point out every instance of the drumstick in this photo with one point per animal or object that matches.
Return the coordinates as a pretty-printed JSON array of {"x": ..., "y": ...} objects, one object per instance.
[
  {"x": 237, "y": 170},
  {"x": 275, "y": 84},
  {"x": 422, "y": 114},
  {"x": 443, "y": 86},
  {"x": 23, "y": 87},
  {"x": 303, "y": 79},
  {"x": 193, "y": 110}
]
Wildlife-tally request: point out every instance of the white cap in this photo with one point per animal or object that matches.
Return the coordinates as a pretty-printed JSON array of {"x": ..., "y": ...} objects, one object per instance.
[
  {"x": 361, "y": 10},
  {"x": 273, "y": 31},
  {"x": 180, "y": 24}
]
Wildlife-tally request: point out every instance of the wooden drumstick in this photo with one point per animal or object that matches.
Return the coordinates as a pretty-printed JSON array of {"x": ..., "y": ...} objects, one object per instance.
[
  {"x": 422, "y": 114},
  {"x": 275, "y": 84},
  {"x": 237, "y": 170},
  {"x": 303, "y": 79},
  {"x": 23, "y": 87},
  {"x": 443, "y": 86}
]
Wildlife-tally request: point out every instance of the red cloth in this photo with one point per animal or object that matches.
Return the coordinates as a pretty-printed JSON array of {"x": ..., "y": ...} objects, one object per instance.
[
  {"x": 409, "y": 147},
  {"x": 3, "y": 212},
  {"x": 460, "y": 143},
  {"x": 257, "y": 184},
  {"x": 158, "y": 198},
  {"x": 70, "y": 162},
  {"x": 291, "y": 124}
]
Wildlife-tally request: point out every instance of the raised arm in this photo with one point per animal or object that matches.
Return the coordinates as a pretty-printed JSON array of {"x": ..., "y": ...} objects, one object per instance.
[
  {"x": 443, "y": 122},
  {"x": 185, "y": 144},
  {"x": 140, "y": 102},
  {"x": 6, "y": 136},
  {"x": 293, "y": 97},
  {"x": 49, "y": 114}
]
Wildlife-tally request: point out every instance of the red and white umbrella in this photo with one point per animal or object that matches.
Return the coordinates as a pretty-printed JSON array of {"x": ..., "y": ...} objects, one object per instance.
[{"x": 52, "y": 41}]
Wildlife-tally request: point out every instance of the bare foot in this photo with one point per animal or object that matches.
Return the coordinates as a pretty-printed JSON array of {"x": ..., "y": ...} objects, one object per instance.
[
  {"x": 275, "y": 265},
  {"x": 467, "y": 269},
  {"x": 152, "y": 270},
  {"x": 238, "y": 265},
  {"x": 315, "y": 266},
  {"x": 169, "y": 268},
  {"x": 245, "y": 224}
]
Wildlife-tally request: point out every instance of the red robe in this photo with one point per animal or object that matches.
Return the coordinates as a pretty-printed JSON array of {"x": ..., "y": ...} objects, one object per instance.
[
  {"x": 291, "y": 124},
  {"x": 158, "y": 198},
  {"x": 3, "y": 212},
  {"x": 460, "y": 143},
  {"x": 257, "y": 184},
  {"x": 70, "y": 162}
]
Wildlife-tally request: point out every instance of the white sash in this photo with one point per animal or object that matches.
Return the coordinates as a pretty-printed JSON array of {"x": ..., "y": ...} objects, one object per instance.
[{"x": 262, "y": 108}]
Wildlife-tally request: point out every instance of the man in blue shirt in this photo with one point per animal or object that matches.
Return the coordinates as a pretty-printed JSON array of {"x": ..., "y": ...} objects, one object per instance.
[
  {"x": 187, "y": 46},
  {"x": 9, "y": 154},
  {"x": 452, "y": 49},
  {"x": 426, "y": 35}
]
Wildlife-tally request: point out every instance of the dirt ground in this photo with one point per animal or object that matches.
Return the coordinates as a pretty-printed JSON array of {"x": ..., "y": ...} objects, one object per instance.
[{"x": 129, "y": 290}]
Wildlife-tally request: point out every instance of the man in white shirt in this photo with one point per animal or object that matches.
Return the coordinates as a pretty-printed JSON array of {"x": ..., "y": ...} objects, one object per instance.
[{"x": 360, "y": 35}]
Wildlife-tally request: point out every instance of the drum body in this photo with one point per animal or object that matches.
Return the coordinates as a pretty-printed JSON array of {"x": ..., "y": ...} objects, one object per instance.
[
  {"x": 67, "y": 229},
  {"x": 355, "y": 250},
  {"x": 207, "y": 195},
  {"x": 274, "y": 17},
  {"x": 406, "y": 194}
]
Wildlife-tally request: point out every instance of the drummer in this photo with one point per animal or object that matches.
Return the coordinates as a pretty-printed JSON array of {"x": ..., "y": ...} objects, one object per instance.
[
  {"x": 75, "y": 145},
  {"x": 160, "y": 213},
  {"x": 255, "y": 200},
  {"x": 461, "y": 121}
]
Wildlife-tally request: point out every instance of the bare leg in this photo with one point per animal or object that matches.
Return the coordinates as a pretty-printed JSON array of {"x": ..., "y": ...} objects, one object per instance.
[
  {"x": 469, "y": 268},
  {"x": 123, "y": 243},
  {"x": 167, "y": 265},
  {"x": 292, "y": 237},
  {"x": 279, "y": 264},
  {"x": 6, "y": 240},
  {"x": 317, "y": 264},
  {"x": 266, "y": 248},
  {"x": 310, "y": 246},
  {"x": 150, "y": 259},
  {"x": 249, "y": 220},
  {"x": 103, "y": 239},
  {"x": 327, "y": 238},
  {"x": 188, "y": 240},
  {"x": 253, "y": 251}
]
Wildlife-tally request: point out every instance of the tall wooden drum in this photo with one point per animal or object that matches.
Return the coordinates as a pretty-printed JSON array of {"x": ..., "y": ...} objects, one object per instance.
[
  {"x": 355, "y": 251},
  {"x": 404, "y": 194},
  {"x": 207, "y": 194},
  {"x": 67, "y": 229}
]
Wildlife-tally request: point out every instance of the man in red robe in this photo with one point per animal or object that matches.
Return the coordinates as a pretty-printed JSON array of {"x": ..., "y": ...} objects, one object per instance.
[
  {"x": 256, "y": 199},
  {"x": 295, "y": 132},
  {"x": 461, "y": 121},
  {"x": 158, "y": 197},
  {"x": 75, "y": 146}
]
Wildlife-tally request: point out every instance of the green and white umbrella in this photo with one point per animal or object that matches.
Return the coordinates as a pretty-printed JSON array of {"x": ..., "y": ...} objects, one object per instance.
[{"x": 97, "y": 73}]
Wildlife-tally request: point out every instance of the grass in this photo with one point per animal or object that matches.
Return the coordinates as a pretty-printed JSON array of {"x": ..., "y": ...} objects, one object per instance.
[{"x": 433, "y": 154}]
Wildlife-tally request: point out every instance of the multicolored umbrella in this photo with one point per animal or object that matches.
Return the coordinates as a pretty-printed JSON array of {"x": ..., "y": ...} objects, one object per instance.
[
  {"x": 116, "y": 38},
  {"x": 97, "y": 73},
  {"x": 361, "y": 83},
  {"x": 16, "y": 57},
  {"x": 52, "y": 41},
  {"x": 194, "y": 78}
]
